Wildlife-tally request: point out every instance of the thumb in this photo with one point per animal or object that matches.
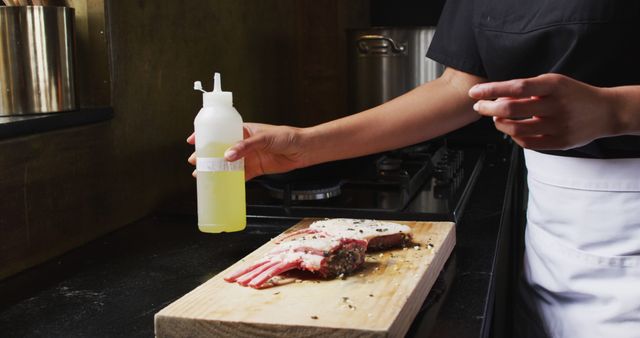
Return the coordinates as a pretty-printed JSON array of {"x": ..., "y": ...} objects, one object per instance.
[{"x": 244, "y": 147}]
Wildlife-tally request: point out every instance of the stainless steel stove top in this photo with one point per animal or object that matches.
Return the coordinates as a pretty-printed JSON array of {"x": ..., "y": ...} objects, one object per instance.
[{"x": 427, "y": 181}]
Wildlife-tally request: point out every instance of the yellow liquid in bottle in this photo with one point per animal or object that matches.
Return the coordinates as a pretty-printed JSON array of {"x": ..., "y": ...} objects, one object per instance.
[{"x": 221, "y": 195}]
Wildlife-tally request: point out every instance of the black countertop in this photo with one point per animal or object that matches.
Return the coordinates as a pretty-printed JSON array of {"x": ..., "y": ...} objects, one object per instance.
[
  {"x": 20, "y": 125},
  {"x": 113, "y": 286}
]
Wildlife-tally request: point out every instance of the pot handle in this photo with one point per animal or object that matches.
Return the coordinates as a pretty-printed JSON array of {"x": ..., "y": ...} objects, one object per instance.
[{"x": 365, "y": 44}]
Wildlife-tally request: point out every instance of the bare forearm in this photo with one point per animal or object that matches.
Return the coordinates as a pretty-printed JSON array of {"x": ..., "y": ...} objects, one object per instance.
[
  {"x": 626, "y": 109},
  {"x": 426, "y": 112},
  {"x": 566, "y": 114}
]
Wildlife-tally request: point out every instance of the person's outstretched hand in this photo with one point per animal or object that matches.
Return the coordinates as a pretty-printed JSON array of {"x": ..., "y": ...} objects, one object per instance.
[
  {"x": 267, "y": 149},
  {"x": 548, "y": 112}
]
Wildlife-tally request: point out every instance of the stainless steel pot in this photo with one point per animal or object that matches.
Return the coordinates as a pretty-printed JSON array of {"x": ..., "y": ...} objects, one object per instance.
[
  {"x": 36, "y": 60},
  {"x": 386, "y": 62}
]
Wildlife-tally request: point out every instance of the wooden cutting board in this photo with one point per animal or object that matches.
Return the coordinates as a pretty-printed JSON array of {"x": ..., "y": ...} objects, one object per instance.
[{"x": 380, "y": 300}]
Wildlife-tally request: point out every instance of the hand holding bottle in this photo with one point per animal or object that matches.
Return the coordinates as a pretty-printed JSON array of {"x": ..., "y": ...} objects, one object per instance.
[{"x": 267, "y": 149}]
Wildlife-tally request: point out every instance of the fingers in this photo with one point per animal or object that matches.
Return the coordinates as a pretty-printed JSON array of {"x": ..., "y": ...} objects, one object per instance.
[
  {"x": 542, "y": 85},
  {"x": 513, "y": 108},
  {"x": 534, "y": 133},
  {"x": 192, "y": 159},
  {"x": 239, "y": 150},
  {"x": 248, "y": 129},
  {"x": 242, "y": 148},
  {"x": 522, "y": 128}
]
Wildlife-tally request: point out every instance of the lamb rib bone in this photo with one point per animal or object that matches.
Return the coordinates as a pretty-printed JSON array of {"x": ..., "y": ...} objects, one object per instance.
[{"x": 323, "y": 255}]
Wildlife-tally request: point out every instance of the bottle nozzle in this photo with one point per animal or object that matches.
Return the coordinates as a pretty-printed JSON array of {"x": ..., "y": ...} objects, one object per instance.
[
  {"x": 217, "y": 83},
  {"x": 198, "y": 86},
  {"x": 215, "y": 96}
]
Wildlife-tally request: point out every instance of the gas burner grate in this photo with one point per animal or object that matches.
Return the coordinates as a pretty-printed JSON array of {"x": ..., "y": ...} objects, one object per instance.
[{"x": 303, "y": 191}]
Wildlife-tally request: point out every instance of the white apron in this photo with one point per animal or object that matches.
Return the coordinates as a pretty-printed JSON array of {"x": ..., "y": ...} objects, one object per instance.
[{"x": 582, "y": 257}]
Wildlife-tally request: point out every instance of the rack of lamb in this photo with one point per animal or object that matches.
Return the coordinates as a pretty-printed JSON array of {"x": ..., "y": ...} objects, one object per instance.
[{"x": 328, "y": 248}]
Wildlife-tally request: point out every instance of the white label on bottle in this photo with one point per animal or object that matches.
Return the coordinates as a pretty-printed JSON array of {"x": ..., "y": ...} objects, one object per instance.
[{"x": 218, "y": 164}]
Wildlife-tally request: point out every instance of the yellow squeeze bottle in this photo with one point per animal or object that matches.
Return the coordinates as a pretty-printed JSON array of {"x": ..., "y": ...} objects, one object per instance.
[{"x": 220, "y": 184}]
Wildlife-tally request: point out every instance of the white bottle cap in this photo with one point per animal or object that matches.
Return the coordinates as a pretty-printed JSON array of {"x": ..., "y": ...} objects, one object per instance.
[{"x": 217, "y": 96}]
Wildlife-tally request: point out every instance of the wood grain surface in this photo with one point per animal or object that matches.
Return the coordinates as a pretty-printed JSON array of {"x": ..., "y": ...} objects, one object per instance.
[{"x": 379, "y": 300}]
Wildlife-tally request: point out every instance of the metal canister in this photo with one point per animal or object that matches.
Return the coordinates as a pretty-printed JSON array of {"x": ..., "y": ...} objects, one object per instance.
[
  {"x": 385, "y": 62},
  {"x": 37, "y": 48}
]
